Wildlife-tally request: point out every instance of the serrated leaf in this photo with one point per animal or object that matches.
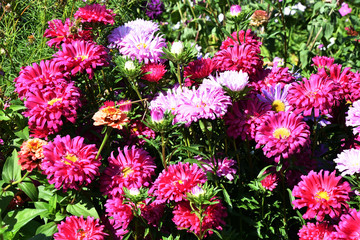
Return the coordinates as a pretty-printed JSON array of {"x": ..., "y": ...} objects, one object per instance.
[
  {"x": 12, "y": 170},
  {"x": 48, "y": 229},
  {"x": 30, "y": 190},
  {"x": 82, "y": 209}
]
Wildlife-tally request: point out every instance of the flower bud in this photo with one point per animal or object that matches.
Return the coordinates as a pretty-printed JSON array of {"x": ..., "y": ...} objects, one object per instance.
[
  {"x": 235, "y": 10},
  {"x": 177, "y": 48},
  {"x": 129, "y": 65},
  {"x": 157, "y": 115},
  {"x": 134, "y": 191}
]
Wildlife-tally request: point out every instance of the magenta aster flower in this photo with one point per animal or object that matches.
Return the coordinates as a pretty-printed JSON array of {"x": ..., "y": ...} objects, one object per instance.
[
  {"x": 153, "y": 72},
  {"x": 353, "y": 117},
  {"x": 95, "y": 13},
  {"x": 46, "y": 109},
  {"x": 276, "y": 97},
  {"x": 199, "y": 69},
  {"x": 323, "y": 61},
  {"x": 348, "y": 162},
  {"x": 278, "y": 75},
  {"x": 120, "y": 215},
  {"x": 153, "y": 213},
  {"x": 318, "y": 231},
  {"x": 138, "y": 131},
  {"x": 69, "y": 163},
  {"x": 221, "y": 167},
  {"x": 349, "y": 227},
  {"x": 75, "y": 228},
  {"x": 174, "y": 182},
  {"x": 242, "y": 37},
  {"x": 270, "y": 181},
  {"x": 282, "y": 134},
  {"x": 322, "y": 194},
  {"x": 81, "y": 55},
  {"x": 132, "y": 168}
]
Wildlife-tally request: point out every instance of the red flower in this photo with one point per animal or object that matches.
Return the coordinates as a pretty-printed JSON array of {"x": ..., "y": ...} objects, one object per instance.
[
  {"x": 95, "y": 13},
  {"x": 153, "y": 72},
  {"x": 199, "y": 69}
]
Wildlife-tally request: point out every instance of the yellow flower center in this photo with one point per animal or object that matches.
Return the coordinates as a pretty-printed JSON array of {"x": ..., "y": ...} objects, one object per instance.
[
  {"x": 180, "y": 182},
  {"x": 34, "y": 145},
  {"x": 141, "y": 45},
  {"x": 281, "y": 133},
  {"x": 278, "y": 106},
  {"x": 110, "y": 110},
  {"x": 83, "y": 57},
  {"x": 312, "y": 94},
  {"x": 135, "y": 129},
  {"x": 126, "y": 171},
  {"x": 322, "y": 195},
  {"x": 83, "y": 233},
  {"x": 54, "y": 100},
  {"x": 70, "y": 157}
]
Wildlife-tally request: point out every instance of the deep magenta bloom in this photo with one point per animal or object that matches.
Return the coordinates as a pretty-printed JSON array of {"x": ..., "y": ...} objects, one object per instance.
[
  {"x": 174, "y": 182},
  {"x": 318, "y": 231},
  {"x": 353, "y": 117},
  {"x": 242, "y": 37},
  {"x": 46, "y": 109},
  {"x": 59, "y": 33},
  {"x": 69, "y": 163},
  {"x": 282, "y": 134},
  {"x": 199, "y": 69},
  {"x": 213, "y": 217},
  {"x": 132, "y": 168},
  {"x": 95, "y": 13},
  {"x": 138, "y": 131},
  {"x": 153, "y": 72},
  {"x": 322, "y": 194},
  {"x": 221, "y": 167},
  {"x": 120, "y": 215},
  {"x": 349, "y": 227},
  {"x": 75, "y": 228},
  {"x": 80, "y": 56},
  {"x": 153, "y": 213}
]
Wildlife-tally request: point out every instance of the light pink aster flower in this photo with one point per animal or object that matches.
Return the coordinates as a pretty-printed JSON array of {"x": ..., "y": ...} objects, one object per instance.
[
  {"x": 322, "y": 194},
  {"x": 318, "y": 231},
  {"x": 353, "y": 117},
  {"x": 349, "y": 227},
  {"x": 132, "y": 168},
  {"x": 80, "y": 56},
  {"x": 174, "y": 182},
  {"x": 348, "y": 162},
  {"x": 235, "y": 81},
  {"x": 120, "y": 215},
  {"x": 167, "y": 101},
  {"x": 282, "y": 134},
  {"x": 75, "y": 228},
  {"x": 69, "y": 163},
  {"x": 221, "y": 167},
  {"x": 95, "y": 13}
]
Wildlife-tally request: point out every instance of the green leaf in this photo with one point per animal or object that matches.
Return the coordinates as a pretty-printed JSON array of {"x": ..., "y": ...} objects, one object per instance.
[
  {"x": 329, "y": 29},
  {"x": 29, "y": 189},
  {"x": 82, "y": 209},
  {"x": 17, "y": 107},
  {"x": 304, "y": 55},
  {"x": 48, "y": 229},
  {"x": 45, "y": 193},
  {"x": 17, "y": 219},
  {"x": 5, "y": 199},
  {"x": 12, "y": 170},
  {"x": 226, "y": 196},
  {"x": 23, "y": 134}
]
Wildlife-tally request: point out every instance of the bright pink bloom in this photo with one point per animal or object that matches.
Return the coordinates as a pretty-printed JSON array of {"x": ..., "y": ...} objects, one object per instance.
[
  {"x": 349, "y": 227},
  {"x": 238, "y": 38},
  {"x": 69, "y": 163},
  {"x": 235, "y": 10},
  {"x": 199, "y": 69},
  {"x": 80, "y": 56},
  {"x": 31, "y": 154},
  {"x": 221, "y": 167},
  {"x": 95, "y": 13},
  {"x": 278, "y": 75},
  {"x": 282, "y": 134},
  {"x": 120, "y": 215},
  {"x": 323, "y": 61},
  {"x": 132, "y": 168},
  {"x": 344, "y": 10},
  {"x": 75, "y": 228},
  {"x": 153, "y": 72},
  {"x": 322, "y": 194},
  {"x": 174, "y": 182},
  {"x": 213, "y": 217},
  {"x": 318, "y": 231},
  {"x": 270, "y": 181}
]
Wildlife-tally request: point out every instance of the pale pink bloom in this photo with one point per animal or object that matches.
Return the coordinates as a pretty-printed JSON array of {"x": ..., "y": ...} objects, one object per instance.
[
  {"x": 344, "y": 10},
  {"x": 348, "y": 162}
]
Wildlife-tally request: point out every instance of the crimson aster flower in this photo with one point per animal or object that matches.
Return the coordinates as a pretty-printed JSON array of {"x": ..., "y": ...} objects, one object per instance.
[
  {"x": 132, "y": 168},
  {"x": 75, "y": 228},
  {"x": 95, "y": 13},
  {"x": 153, "y": 72},
  {"x": 31, "y": 154},
  {"x": 282, "y": 134},
  {"x": 120, "y": 215},
  {"x": 69, "y": 163},
  {"x": 318, "y": 231},
  {"x": 322, "y": 194},
  {"x": 242, "y": 37},
  {"x": 80, "y": 56},
  {"x": 270, "y": 181},
  {"x": 199, "y": 69},
  {"x": 348, "y": 162},
  {"x": 221, "y": 167},
  {"x": 174, "y": 182},
  {"x": 153, "y": 213},
  {"x": 353, "y": 117},
  {"x": 349, "y": 227}
]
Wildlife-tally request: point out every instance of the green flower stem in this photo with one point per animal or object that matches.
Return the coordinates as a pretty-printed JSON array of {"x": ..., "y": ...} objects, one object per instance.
[
  {"x": 89, "y": 89},
  {"x": 108, "y": 132},
  {"x": 14, "y": 183},
  {"x": 163, "y": 145},
  {"x": 134, "y": 86},
  {"x": 178, "y": 75}
]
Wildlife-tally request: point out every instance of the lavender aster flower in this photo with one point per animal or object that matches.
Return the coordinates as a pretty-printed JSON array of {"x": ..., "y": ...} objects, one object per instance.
[
  {"x": 353, "y": 117},
  {"x": 348, "y": 162},
  {"x": 154, "y": 8},
  {"x": 276, "y": 96},
  {"x": 221, "y": 167}
]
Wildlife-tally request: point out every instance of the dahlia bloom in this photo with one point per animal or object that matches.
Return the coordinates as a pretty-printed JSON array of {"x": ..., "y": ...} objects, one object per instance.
[
  {"x": 348, "y": 162},
  {"x": 80, "y": 56},
  {"x": 278, "y": 75},
  {"x": 353, "y": 117},
  {"x": 154, "y": 8},
  {"x": 153, "y": 72},
  {"x": 95, "y": 13},
  {"x": 282, "y": 134},
  {"x": 46, "y": 109},
  {"x": 314, "y": 93},
  {"x": 74, "y": 228},
  {"x": 69, "y": 163},
  {"x": 318, "y": 231},
  {"x": 31, "y": 154},
  {"x": 276, "y": 97},
  {"x": 199, "y": 69},
  {"x": 270, "y": 181},
  {"x": 244, "y": 117},
  {"x": 221, "y": 167},
  {"x": 174, "y": 182},
  {"x": 132, "y": 168},
  {"x": 322, "y": 194},
  {"x": 242, "y": 37},
  {"x": 348, "y": 227},
  {"x": 44, "y": 77},
  {"x": 185, "y": 218},
  {"x": 120, "y": 215},
  {"x": 112, "y": 115},
  {"x": 59, "y": 33}
]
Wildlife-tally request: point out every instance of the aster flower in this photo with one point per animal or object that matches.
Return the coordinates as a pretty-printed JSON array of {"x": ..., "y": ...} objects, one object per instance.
[
  {"x": 199, "y": 69},
  {"x": 59, "y": 33},
  {"x": 322, "y": 61},
  {"x": 348, "y": 162},
  {"x": 316, "y": 94},
  {"x": 348, "y": 227},
  {"x": 110, "y": 114},
  {"x": 318, "y": 231},
  {"x": 152, "y": 213},
  {"x": 270, "y": 181},
  {"x": 74, "y": 228},
  {"x": 174, "y": 182},
  {"x": 276, "y": 97},
  {"x": 353, "y": 117},
  {"x": 322, "y": 194},
  {"x": 234, "y": 81},
  {"x": 282, "y": 134},
  {"x": 120, "y": 215},
  {"x": 137, "y": 129},
  {"x": 154, "y": 8},
  {"x": 344, "y": 79},
  {"x": 221, "y": 167},
  {"x": 80, "y": 56},
  {"x": 153, "y": 72},
  {"x": 46, "y": 109},
  {"x": 167, "y": 101},
  {"x": 95, "y": 13},
  {"x": 235, "y": 10},
  {"x": 242, "y": 37},
  {"x": 31, "y": 154},
  {"x": 133, "y": 167},
  {"x": 213, "y": 217},
  {"x": 344, "y": 10},
  {"x": 144, "y": 26},
  {"x": 259, "y": 17},
  {"x": 69, "y": 163}
]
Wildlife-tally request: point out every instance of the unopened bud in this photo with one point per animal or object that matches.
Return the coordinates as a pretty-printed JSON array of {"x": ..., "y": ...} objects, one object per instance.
[
  {"x": 177, "y": 48},
  {"x": 129, "y": 65}
]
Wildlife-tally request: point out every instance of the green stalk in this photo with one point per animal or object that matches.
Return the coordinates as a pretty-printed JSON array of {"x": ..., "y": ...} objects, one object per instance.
[
  {"x": 178, "y": 75},
  {"x": 163, "y": 145},
  {"x": 108, "y": 132},
  {"x": 14, "y": 183}
]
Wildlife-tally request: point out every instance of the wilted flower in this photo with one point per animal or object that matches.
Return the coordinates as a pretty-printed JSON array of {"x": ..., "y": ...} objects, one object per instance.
[{"x": 259, "y": 17}]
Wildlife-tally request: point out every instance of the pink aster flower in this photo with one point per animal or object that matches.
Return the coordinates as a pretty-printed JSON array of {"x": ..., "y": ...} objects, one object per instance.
[
  {"x": 221, "y": 167},
  {"x": 315, "y": 93},
  {"x": 270, "y": 181},
  {"x": 153, "y": 213},
  {"x": 282, "y": 134},
  {"x": 318, "y": 231},
  {"x": 69, "y": 163},
  {"x": 323, "y": 61},
  {"x": 348, "y": 162},
  {"x": 167, "y": 101},
  {"x": 59, "y": 33},
  {"x": 47, "y": 109},
  {"x": 344, "y": 10},
  {"x": 132, "y": 168},
  {"x": 242, "y": 37},
  {"x": 322, "y": 194},
  {"x": 235, "y": 10},
  {"x": 153, "y": 72},
  {"x": 95, "y": 13},
  {"x": 31, "y": 154},
  {"x": 174, "y": 182},
  {"x": 244, "y": 117},
  {"x": 120, "y": 215},
  {"x": 185, "y": 218},
  {"x": 199, "y": 69},
  {"x": 74, "y": 228},
  {"x": 80, "y": 56},
  {"x": 353, "y": 117},
  {"x": 276, "y": 97},
  {"x": 349, "y": 227}
]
